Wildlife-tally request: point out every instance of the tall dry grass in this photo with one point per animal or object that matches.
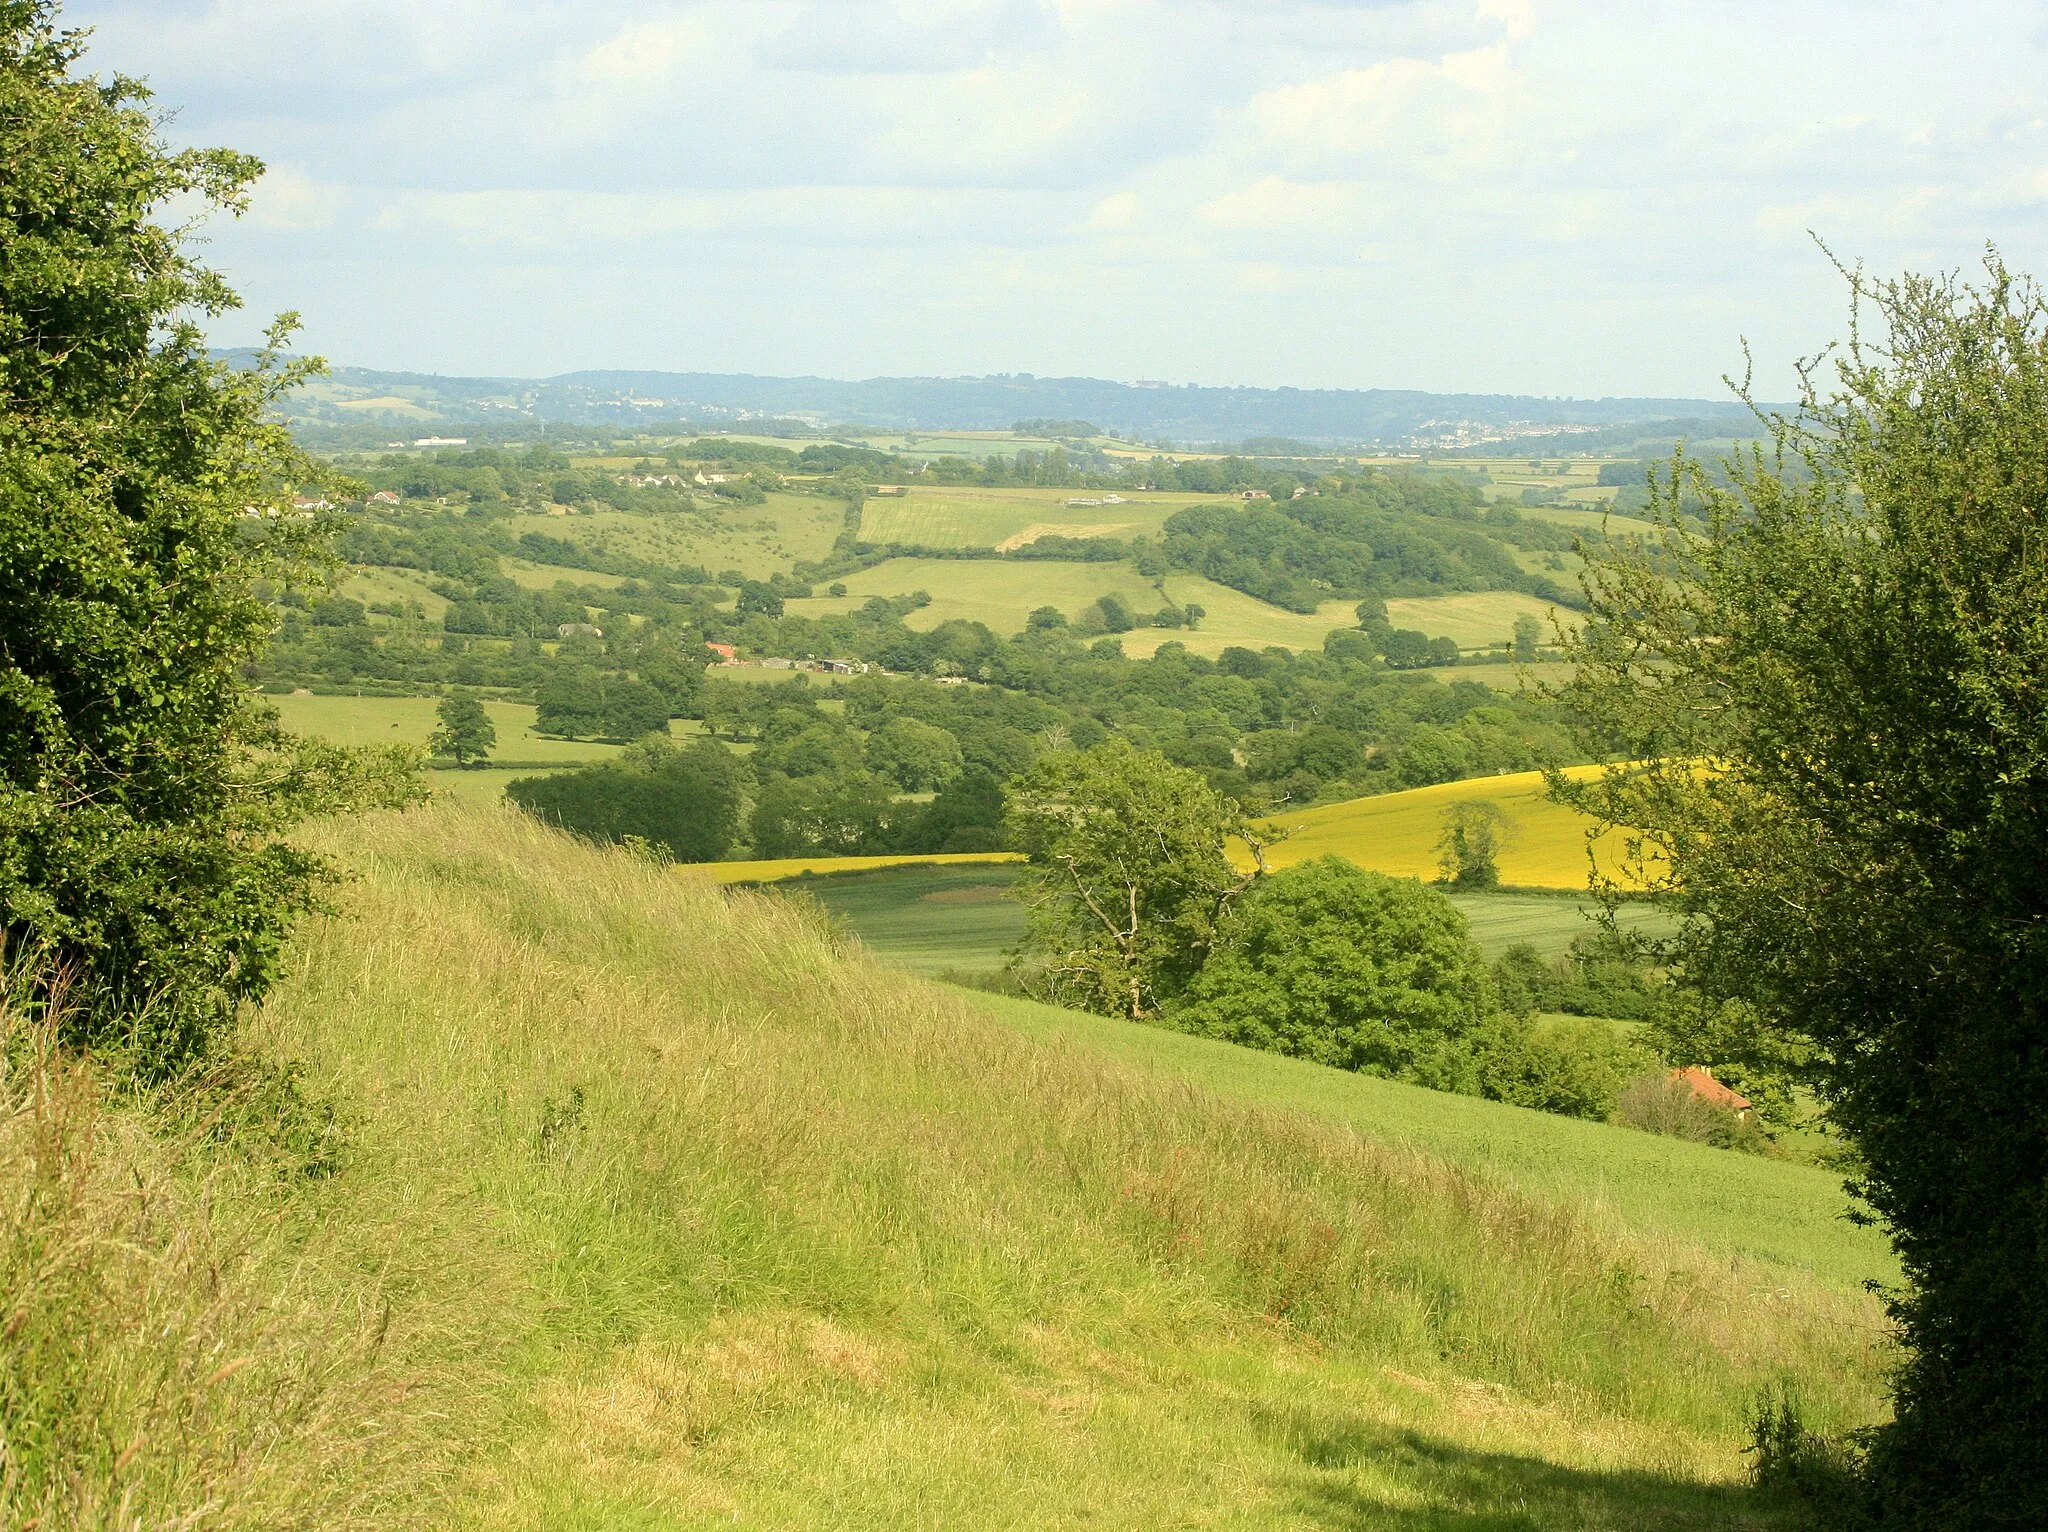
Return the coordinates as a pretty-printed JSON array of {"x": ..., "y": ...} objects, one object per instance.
[
  {"x": 194, "y": 1333},
  {"x": 661, "y": 1208}
]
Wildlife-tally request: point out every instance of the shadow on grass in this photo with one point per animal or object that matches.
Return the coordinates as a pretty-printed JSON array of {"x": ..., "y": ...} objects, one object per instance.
[{"x": 1358, "y": 1477}]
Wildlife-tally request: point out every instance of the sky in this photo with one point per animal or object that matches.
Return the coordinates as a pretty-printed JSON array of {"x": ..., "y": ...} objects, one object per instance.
[{"x": 1520, "y": 196}]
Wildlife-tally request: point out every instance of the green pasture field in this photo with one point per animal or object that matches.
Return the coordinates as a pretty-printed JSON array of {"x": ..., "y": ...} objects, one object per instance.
[
  {"x": 1502, "y": 678},
  {"x": 975, "y": 444},
  {"x": 1546, "y": 922},
  {"x": 757, "y": 540},
  {"x": 385, "y": 586},
  {"x": 409, "y": 720},
  {"x": 1473, "y": 619},
  {"x": 531, "y": 576},
  {"x": 1234, "y": 619},
  {"x": 934, "y": 919},
  {"x": 929, "y": 919},
  {"x": 485, "y": 784},
  {"x": 973, "y": 517},
  {"x": 1591, "y": 519},
  {"x": 756, "y": 675},
  {"x": 999, "y": 592},
  {"x": 1003, "y": 592},
  {"x": 1736, "y": 1204}
]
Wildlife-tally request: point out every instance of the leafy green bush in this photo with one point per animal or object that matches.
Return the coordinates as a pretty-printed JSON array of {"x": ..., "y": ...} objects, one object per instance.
[
  {"x": 1326, "y": 961},
  {"x": 683, "y": 801},
  {"x": 1576, "y": 1068},
  {"x": 583, "y": 703},
  {"x": 144, "y": 500}
]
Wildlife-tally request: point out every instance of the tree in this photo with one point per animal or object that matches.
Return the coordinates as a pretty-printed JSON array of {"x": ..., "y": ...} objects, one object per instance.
[
  {"x": 1406, "y": 649},
  {"x": 757, "y": 597},
  {"x": 1528, "y": 637},
  {"x": 1835, "y": 692},
  {"x": 1350, "y": 968},
  {"x": 1115, "y": 615},
  {"x": 685, "y": 801},
  {"x": 848, "y": 814},
  {"x": 917, "y": 756},
  {"x": 579, "y": 702},
  {"x": 466, "y": 732},
  {"x": 966, "y": 815},
  {"x": 144, "y": 796},
  {"x": 1469, "y": 845},
  {"x": 679, "y": 679},
  {"x": 1129, "y": 874}
]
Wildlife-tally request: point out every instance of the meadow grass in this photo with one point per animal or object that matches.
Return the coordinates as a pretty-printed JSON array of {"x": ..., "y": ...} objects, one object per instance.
[
  {"x": 1739, "y": 1206},
  {"x": 1474, "y": 619},
  {"x": 367, "y": 584},
  {"x": 410, "y": 720},
  {"x": 998, "y": 592},
  {"x": 659, "y": 1207},
  {"x": 531, "y": 576},
  {"x": 757, "y": 540},
  {"x": 971, "y": 516},
  {"x": 1396, "y": 833}
]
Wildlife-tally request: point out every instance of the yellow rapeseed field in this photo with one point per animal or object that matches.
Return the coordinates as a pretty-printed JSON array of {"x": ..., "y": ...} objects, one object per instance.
[
  {"x": 1396, "y": 833},
  {"x": 770, "y": 871}
]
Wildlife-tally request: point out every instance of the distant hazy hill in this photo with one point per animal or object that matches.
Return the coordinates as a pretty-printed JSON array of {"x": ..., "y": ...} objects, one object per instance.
[{"x": 1183, "y": 413}]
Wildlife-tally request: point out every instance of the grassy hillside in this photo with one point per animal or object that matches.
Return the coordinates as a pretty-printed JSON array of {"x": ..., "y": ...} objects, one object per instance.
[
  {"x": 1476, "y": 620},
  {"x": 970, "y": 516},
  {"x": 1785, "y": 1215},
  {"x": 655, "y": 1209},
  {"x": 757, "y": 540}
]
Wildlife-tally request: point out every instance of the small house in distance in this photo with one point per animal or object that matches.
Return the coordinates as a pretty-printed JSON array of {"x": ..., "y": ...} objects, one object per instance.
[
  {"x": 1712, "y": 1091},
  {"x": 1256, "y": 494},
  {"x": 571, "y": 629},
  {"x": 383, "y": 499},
  {"x": 727, "y": 654}
]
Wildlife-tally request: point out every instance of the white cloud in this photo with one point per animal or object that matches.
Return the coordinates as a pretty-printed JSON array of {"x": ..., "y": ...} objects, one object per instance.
[
  {"x": 1551, "y": 195},
  {"x": 1119, "y": 210},
  {"x": 1273, "y": 203},
  {"x": 287, "y": 198}
]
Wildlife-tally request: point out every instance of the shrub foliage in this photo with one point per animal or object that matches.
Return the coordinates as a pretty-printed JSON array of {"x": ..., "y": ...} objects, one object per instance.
[
  {"x": 1847, "y": 689},
  {"x": 141, "y": 793}
]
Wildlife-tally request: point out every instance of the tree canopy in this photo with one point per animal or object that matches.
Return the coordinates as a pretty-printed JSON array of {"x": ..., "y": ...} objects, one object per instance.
[
  {"x": 1839, "y": 684},
  {"x": 1350, "y": 968},
  {"x": 143, "y": 497},
  {"x": 1129, "y": 873},
  {"x": 683, "y": 801}
]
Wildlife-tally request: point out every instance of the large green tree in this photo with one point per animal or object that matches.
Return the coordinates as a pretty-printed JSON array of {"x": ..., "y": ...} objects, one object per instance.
[
  {"x": 685, "y": 801},
  {"x": 1350, "y": 968},
  {"x": 465, "y": 730},
  {"x": 1129, "y": 873},
  {"x": 1839, "y": 680},
  {"x": 143, "y": 497}
]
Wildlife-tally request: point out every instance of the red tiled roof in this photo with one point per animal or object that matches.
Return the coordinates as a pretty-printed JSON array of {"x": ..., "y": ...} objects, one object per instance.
[{"x": 1711, "y": 1090}]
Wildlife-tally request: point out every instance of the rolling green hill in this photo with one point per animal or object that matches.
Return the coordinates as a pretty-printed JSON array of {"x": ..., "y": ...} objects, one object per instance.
[
  {"x": 969, "y": 516},
  {"x": 642, "y": 1204}
]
